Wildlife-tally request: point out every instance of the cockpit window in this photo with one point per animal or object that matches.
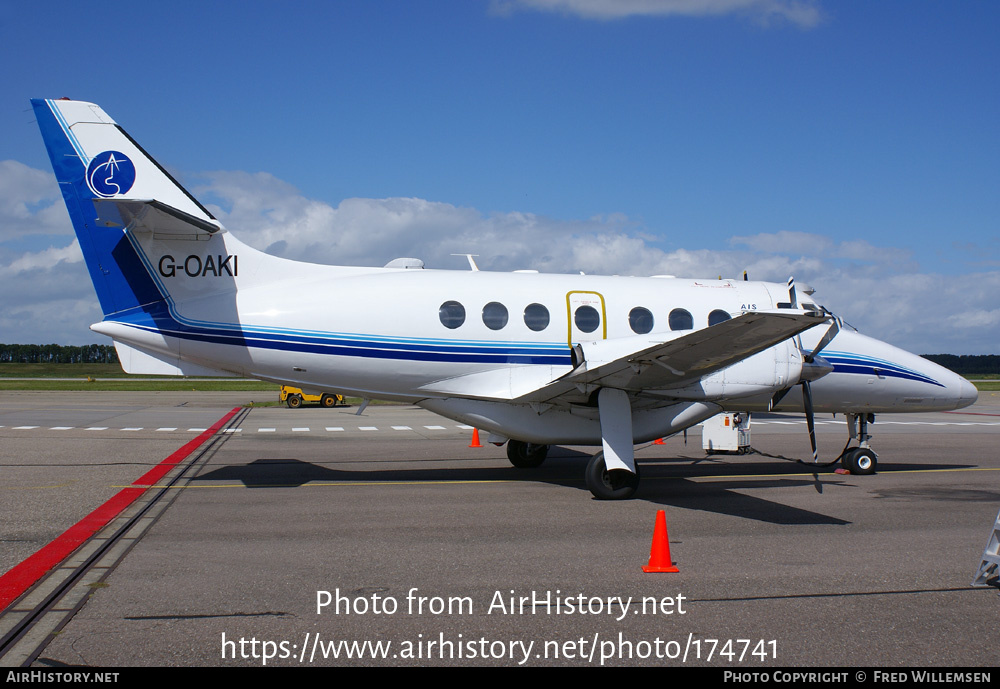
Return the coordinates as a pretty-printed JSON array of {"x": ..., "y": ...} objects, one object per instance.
[
  {"x": 587, "y": 319},
  {"x": 452, "y": 314},
  {"x": 495, "y": 315},
  {"x": 536, "y": 317},
  {"x": 680, "y": 319},
  {"x": 718, "y": 316},
  {"x": 641, "y": 320}
]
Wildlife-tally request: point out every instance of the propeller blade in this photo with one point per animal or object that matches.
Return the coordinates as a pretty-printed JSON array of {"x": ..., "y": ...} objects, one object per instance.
[
  {"x": 791, "y": 293},
  {"x": 778, "y": 396},
  {"x": 807, "y": 400},
  {"x": 827, "y": 339}
]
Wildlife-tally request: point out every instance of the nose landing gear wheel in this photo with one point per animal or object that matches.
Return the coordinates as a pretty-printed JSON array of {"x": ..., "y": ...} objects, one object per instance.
[
  {"x": 617, "y": 484},
  {"x": 526, "y": 455}
]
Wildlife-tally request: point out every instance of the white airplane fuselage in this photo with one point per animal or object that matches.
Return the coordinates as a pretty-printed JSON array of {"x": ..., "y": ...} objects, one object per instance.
[
  {"x": 377, "y": 332},
  {"x": 535, "y": 358}
]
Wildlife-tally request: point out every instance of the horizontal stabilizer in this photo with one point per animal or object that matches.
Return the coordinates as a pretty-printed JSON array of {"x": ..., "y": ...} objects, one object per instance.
[
  {"x": 150, "y": 215},
  {"x": 136, "y": 360}
]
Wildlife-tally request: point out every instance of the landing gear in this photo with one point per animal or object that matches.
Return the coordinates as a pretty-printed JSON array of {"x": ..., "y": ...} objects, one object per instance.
[
  {"x": 526, "y": 455},
  {"x": 617, "y": 484},
  {"x": 860, "y": 460}
]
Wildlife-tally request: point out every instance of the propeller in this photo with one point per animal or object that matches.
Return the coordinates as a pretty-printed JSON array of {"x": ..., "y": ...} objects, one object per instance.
[
  {"x": 813, "y": 368},
  {"x": 807, "y": 401}
]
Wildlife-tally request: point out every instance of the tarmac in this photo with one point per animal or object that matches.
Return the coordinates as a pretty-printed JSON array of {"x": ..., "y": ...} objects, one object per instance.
[{"x": 316, "y": 536}]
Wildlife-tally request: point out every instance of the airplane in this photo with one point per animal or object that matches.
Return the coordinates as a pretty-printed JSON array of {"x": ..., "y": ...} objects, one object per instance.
[{"x": 534, "y": 359}]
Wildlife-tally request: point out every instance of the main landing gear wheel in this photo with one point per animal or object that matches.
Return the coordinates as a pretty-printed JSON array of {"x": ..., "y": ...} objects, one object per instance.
[
  {"x": 328, "y": 401},
  {"x": 526, "y": 455},
  {"x": 617, "y": 484},
  {"x": 861, "y": 461},
  {"x": 293, "y": 401}
]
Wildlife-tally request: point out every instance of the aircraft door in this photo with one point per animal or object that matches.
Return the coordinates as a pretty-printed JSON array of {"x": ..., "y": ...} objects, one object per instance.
[{"x": 586, "y": 317}]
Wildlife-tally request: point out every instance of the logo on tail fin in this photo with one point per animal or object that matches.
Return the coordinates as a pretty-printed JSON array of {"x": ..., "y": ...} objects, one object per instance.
[{"x": 110, "y": 173}]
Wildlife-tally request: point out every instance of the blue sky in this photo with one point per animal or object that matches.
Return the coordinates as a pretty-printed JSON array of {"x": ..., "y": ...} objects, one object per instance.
[{"x": 852, "y": 144}]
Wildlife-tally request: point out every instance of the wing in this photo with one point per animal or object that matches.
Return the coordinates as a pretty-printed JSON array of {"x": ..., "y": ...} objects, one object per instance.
[
  {"x": 685, "y": 359},
  {"x": 637, "y": 363}
]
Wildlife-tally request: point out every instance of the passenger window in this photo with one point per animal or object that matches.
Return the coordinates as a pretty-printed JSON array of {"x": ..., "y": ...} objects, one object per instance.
[
  {"x": 536, "y": 317},
  {"x": 587, "y": 319},
  {"x": 641, "y": 320},
  {"x": 495, "y": 315},
  {"x": 452, "y": 314},
  {"x": 718, "y": 316},
  {"x": 680, "y": 319}
]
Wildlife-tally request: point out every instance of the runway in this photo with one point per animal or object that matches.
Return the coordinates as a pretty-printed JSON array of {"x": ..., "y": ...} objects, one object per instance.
[{"x": 788, "y": 564}]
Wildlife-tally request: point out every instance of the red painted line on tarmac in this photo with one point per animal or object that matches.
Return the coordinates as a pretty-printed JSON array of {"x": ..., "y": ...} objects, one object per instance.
[{"x": 21, "y": 577}]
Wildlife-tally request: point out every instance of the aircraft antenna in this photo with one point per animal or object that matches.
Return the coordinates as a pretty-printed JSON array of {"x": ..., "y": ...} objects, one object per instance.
[{"x": 472, "y": 263}]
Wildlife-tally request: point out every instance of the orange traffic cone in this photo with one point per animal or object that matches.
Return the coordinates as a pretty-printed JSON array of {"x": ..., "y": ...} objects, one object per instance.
[
  {"x": 659, "y": 553},
  {"x": 659, "y": 441},
  {"x": 475, "y": 438}
]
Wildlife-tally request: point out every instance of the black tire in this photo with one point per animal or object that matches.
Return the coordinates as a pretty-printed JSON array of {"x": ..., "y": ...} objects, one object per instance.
[
  {"x": 327, "y": 401},
  {"x": 860, "y": 461},
  {"x": 617, "y": 484},
  {"x": 294, "y": 401},
  {"x": 845, "y": 459},
  {"x": 526, "y": 455}
]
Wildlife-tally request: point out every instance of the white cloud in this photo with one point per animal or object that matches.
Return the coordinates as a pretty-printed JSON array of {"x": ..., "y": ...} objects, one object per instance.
[
  {"x": 876, "y": 288},
  {"x": 30, "y": 202},
  {"x": 46, "y": 289},
  {"x": 879, "y": 289},
  {"x": 44, "y": 259},
  {"x": 975, "y": 318},
  {"x": 59, "y": 320},
  {"x": 267, "y": 213},
  {"x": 48, "y": 298},
  {"x": 818, "y": 246},
  {"x": 786, "y": 242},
  {"x": 803, "y": 13}
]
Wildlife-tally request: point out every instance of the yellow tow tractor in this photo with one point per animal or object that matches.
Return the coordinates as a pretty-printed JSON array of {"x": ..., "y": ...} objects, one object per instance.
[{"x": 294, "y": 397}]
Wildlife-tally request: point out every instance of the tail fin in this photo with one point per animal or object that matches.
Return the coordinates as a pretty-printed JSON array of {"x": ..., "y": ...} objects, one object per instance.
[{"x": 104, "y": 176}]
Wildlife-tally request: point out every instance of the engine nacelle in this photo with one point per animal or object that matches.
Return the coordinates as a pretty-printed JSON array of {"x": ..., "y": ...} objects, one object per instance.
[{"x": 763, "y": 373}]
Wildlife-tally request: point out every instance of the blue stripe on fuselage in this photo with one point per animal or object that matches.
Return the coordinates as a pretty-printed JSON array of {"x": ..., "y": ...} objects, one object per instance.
[
  {"x": 164, "y": 317},
  {"x": 159, "y": 318},
  {"x": 846, "y": 362}
]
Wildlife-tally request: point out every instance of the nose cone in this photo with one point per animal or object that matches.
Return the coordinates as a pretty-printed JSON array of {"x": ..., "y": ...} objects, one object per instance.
[
  {"x": 967, "y": 394},
  {"x": 957, "y": 393},
  {"x": 889, "y": 379}
]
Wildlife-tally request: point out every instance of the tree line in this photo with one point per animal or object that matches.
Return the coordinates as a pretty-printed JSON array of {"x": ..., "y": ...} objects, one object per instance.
[
  {"x": 965, "y": 365},
  {"x": 977, "y": 364},
  {"x": 58, "y": 354}
]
